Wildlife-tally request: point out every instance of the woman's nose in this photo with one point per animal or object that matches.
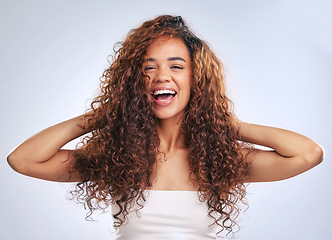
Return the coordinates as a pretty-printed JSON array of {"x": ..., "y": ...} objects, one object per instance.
[{"x": 163, "y": 75}]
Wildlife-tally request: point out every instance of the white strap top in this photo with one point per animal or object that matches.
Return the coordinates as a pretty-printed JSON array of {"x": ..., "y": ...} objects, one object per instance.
[{"x": 168, "y": 215}]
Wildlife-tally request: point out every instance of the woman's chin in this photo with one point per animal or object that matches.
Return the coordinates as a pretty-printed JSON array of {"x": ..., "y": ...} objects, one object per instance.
[
  {"x": 164, "y": 116},
  {"x": 168, "y": 115}
]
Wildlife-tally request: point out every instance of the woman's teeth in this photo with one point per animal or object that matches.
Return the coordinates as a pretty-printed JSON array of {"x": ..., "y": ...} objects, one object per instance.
[{"x": 164, "y": 91}]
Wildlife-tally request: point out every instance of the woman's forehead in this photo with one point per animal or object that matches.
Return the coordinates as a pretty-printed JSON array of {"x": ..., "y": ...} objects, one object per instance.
[{"x": 167, "y": 46}]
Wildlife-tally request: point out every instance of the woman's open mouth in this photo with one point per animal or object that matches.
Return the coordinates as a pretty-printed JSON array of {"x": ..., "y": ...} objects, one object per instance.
[{"x": 163, "y": 97}]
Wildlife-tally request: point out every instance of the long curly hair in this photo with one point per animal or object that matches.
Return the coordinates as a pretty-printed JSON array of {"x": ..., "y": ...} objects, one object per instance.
[{"x": 115, "y": 161}]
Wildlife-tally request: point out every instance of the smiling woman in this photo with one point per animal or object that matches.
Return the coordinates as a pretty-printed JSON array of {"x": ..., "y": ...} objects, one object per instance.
[
  {"x": 168, "y": 70},
  {"x": 164, "y": 150}
]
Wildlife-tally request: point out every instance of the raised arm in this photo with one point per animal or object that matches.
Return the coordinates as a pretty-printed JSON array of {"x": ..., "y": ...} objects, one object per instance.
[
  {"x": 293, "y": 153},
  {"x": 41, "y": 155}
]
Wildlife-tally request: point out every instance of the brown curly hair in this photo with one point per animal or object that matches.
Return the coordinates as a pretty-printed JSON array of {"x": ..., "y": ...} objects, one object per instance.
[{"x": 116, "y": 160}]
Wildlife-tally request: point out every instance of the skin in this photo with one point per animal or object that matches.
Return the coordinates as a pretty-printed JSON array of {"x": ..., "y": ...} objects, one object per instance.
[
  {"x": 172, "y": 174},
  {"x": 41, "y": 155}
]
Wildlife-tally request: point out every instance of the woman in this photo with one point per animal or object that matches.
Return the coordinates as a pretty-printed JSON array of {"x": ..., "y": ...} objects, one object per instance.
[{"x": 164, "y": 149}]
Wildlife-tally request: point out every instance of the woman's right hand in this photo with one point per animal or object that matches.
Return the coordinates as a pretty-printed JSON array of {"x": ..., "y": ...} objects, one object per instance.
[{"x": 41, "y": 155}]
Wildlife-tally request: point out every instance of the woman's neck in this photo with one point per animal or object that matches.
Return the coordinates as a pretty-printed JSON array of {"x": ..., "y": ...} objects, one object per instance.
[{"x": 170, "y": 135}]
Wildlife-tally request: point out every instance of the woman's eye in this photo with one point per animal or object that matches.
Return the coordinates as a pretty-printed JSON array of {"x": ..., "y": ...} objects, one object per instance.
[
  {"x": 177, "y": 67},
  {"x": 148, "y": 68}
]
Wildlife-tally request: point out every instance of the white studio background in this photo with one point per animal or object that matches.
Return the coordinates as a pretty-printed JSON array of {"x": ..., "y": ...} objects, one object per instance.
[{"x": 277, "y": 55}]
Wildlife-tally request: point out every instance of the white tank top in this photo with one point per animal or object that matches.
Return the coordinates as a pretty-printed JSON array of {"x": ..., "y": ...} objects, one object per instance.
[{"x": 168, "y": 215}]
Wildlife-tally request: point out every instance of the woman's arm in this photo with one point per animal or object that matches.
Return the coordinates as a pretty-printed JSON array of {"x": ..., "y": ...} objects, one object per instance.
[
  {"x": 293, "y": 153},
  {"x": 41, "y": 155}
]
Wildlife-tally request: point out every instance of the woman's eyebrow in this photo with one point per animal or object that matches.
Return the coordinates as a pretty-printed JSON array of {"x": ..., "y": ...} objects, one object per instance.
[
  {"x": 150, "y": 60},
  {"x": 168, "y": 59},
  {"x": 175, "y": 58}
]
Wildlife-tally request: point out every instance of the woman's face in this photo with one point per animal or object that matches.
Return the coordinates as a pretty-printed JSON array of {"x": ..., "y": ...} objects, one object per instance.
[{"x": 168, "y": 66}]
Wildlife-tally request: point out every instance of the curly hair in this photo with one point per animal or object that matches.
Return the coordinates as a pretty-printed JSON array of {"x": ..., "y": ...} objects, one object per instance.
[{"x": 116, "y": 160}]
